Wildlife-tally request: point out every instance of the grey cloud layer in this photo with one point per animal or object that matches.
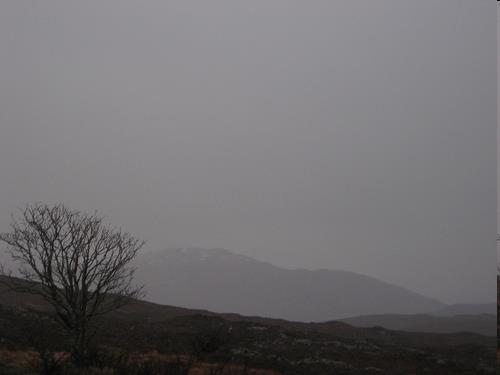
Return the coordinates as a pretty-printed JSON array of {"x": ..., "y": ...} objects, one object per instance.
[{"x": 335, "y": 134}]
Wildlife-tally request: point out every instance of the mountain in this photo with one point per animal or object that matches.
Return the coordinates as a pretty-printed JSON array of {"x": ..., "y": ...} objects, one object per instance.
[
  {"x": 219, "y": 280},
  {"x": 484, "y": 324},
  {"x": 467, "y": 309}
]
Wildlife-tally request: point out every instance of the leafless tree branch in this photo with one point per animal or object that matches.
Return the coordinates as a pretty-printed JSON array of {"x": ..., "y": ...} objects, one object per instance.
[{"x": 76, "y": 262}]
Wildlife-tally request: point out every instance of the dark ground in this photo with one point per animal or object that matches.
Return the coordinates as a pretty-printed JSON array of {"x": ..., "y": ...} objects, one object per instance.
[{"x": 250, "y": 342}]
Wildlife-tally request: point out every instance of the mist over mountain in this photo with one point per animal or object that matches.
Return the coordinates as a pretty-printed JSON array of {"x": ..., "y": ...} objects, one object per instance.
[{"x": 222, "y": 281}]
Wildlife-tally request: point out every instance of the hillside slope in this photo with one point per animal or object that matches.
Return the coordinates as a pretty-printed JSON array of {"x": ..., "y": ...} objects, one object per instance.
[{"x": 285, "y": 347}]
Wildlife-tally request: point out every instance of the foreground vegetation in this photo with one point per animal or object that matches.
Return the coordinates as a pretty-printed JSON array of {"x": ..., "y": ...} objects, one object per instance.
[{"x": 127, "y": 343}]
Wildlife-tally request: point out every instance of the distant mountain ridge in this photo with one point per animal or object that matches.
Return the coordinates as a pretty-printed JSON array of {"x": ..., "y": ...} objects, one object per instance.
[
  {"x": 467, "y": 309},
  {"x": 222, "y": 281},
  {"x": 484, "y": 324}
]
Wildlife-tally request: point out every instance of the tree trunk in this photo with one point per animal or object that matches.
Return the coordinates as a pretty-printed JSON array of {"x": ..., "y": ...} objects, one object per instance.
[{"x": 79, "y": 351}]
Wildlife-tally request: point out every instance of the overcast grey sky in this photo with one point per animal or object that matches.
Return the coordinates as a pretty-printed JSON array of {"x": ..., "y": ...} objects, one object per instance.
[{"x": 355, "y": 135}]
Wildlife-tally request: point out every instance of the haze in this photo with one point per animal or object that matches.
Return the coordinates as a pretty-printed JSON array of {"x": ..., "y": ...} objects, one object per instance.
[{"x": 354, "y": 135}]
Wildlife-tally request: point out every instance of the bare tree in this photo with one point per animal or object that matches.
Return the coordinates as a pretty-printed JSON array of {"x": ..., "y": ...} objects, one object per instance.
[{"x": 76, "y": 262}]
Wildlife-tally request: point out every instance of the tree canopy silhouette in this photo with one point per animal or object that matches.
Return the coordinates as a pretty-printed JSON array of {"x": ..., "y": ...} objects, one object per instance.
[{"x": 77, "y": 263}]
